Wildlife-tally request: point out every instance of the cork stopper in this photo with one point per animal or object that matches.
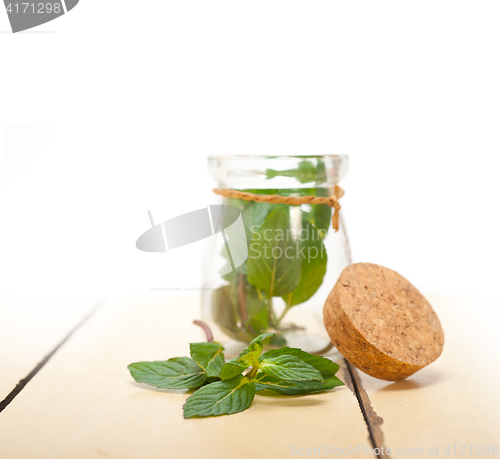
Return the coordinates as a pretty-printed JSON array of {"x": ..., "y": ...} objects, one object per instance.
[{"x": 381, "y": 323}]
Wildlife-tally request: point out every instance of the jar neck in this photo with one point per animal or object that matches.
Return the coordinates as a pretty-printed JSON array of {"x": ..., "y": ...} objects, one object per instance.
[{"x": 277, "y": 172}]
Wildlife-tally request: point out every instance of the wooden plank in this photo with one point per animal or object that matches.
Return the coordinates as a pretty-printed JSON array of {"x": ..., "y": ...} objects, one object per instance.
[
  {"x": 84, "y": 403},
  {"x": 30, "y": 328},
  {"x": 454, "y": 401}
]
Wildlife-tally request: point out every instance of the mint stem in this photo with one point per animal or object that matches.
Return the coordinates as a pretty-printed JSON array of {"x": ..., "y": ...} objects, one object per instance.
[
  {"x": 287, "y": 307},
  {"x": 242, "y": 304},
  {"x": 206, "y": 329},
  {"x": 270, "y": 311},
  {"x": 280, "y": 318},
  {"x": 253, "y": 373}
]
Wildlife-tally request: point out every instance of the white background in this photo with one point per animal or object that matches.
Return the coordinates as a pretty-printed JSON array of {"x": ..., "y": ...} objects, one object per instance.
[{"x": 113, "y": 108}]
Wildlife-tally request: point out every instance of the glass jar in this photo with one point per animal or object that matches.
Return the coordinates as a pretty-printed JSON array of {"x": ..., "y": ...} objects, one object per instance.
[{"x": 277, "y": 273}]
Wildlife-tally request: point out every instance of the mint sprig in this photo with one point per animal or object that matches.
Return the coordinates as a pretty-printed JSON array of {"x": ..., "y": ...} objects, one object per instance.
[{"x": 228, "y": 388}]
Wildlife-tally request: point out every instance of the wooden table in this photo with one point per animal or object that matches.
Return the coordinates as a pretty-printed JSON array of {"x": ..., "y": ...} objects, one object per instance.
[{"x": 67, "y": 392}]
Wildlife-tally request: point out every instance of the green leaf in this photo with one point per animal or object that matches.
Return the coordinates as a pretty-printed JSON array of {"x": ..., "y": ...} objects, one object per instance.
[
  {"x": 250, "y": 306},
  {"x": 305, "y": 172},
  {"x": 272, "y": 264},
  {"x": 313, "y": 259},
  {"x": 289, "y": 368},
  {"x": 313, "y": 385},
  {"x": 232, "y": 369},
  {"x": 240, "y": 320},
  {"x": 250, "y": 355},
  {"x": 177, "y": 373},
  {"x": 292, "y": 387},
  {"x": 319, "y": 215},
  {"x": 326, "y": 367},
  {"x": 259, "y": 321},
  {"x": 278, "y": 341},
  {"x": 253, "y": 214},
  {"x": 225, "y": 314},
  {"x": 222, "y": 397},
  {"x": 256, "y": 307},
  {"x": 209, "y": 356}
]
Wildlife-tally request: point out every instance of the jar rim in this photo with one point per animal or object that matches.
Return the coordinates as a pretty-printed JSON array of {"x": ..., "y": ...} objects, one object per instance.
[
  {"x": 253, "y": 157},
  {"x": 270, "y": 172}
]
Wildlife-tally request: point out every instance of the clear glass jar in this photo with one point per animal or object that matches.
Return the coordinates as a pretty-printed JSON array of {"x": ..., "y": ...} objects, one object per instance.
[{"x": 288, "y": 259}]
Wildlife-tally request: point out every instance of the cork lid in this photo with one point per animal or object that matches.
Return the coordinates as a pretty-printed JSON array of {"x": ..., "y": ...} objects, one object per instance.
[{"x": 381, "y": 323}]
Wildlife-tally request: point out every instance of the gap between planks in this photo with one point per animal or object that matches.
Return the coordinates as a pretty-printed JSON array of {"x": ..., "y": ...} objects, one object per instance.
[
  {"x": 23, "y": 382},
  {"x": 373, "y": 421},
  {"x": 352, "y": 379}
]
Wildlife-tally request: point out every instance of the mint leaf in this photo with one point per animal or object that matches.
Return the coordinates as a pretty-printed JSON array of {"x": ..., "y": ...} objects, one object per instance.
[
  {"x": 289, "y": 368},
  {"x": 241, "y": 318},
  {"x": 223, "y": 397},
  {"x": 313, "y": 261},
  {"x": 292, "y": 387},
  {"x": 278, "y": 341},
  {"x": 177, "y": 373},
  {"x": 209, "y": 356},
  {"x": 272, "y": 263},
  {"x": 250, "y": 355},
  {"x": 250, "y": 307},
  {"x": 253, "y": 213},
  {"x": 326, "y": 367},
  {"x": 256, "y": 307},
  {"x": 232, "y": 369},
  {"x": 225, "y": 314},
  {"x": 305, "y": 172},
  {"x": 320, "y": 214}
]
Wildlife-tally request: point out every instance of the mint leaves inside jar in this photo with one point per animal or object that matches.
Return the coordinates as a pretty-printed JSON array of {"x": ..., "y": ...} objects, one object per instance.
[{"x": 286, "y": 265}]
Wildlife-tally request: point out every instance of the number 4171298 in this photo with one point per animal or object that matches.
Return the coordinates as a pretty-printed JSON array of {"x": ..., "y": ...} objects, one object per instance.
[
  {"x": 476, "y": 450},
  {"x": 34, "y": 8}
]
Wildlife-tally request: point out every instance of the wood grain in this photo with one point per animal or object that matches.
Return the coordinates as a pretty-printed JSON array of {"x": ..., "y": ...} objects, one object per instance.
[{"x": 84, "y": 404}]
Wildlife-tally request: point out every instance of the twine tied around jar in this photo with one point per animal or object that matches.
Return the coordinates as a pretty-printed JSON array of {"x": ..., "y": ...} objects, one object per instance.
[{"x": 332, "y": 201}]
